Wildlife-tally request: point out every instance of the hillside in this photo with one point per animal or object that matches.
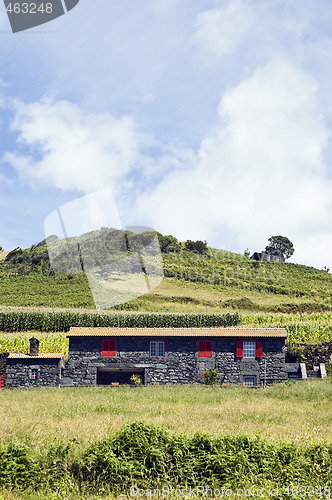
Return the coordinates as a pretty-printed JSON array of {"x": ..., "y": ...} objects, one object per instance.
[{"x": 216, "y": 281}]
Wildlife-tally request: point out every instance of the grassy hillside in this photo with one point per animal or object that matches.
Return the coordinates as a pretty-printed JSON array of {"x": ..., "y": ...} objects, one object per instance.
[
  {"x": 265, "y": 293},
  {"x": 215, "y": 282}
]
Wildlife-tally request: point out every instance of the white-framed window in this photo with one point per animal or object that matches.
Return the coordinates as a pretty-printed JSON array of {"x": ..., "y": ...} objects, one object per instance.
[
  {"x": 249, "y": 380},
  {"x": 34, "y": 373},
  {"x": 157, "y": 349},
  {"x": 249, "y": 349}
]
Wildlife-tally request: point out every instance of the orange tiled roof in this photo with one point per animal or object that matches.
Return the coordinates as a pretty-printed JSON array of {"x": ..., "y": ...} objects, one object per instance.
[
  {"x": 42, "y": 355},
  {"x": 78, "y": 331}
]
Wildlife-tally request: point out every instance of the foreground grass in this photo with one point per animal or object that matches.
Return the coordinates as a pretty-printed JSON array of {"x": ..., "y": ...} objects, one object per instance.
[{"x": 295, "y": 411}]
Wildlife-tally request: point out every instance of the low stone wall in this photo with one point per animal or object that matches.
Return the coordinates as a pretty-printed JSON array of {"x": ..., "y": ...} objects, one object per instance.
[
  {"x": 317, "y": 353},
  {"x": 313, "y": 354}
]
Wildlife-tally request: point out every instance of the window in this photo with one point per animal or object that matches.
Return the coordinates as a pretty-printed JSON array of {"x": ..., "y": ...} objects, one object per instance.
[
  {"x": 249, "y": 349},
  {"x": 109, "y": 348},
  {"x": 249, "y": 380},
  {"x": 205, "y": 349},
  {"x": 34, "y": 374},
  {"x": 157, "y": 349}
]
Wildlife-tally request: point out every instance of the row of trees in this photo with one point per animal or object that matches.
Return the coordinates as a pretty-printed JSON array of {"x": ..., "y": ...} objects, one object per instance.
[
  {"x": 100, "y": 247},
  {"x": 171, "y": 244}
]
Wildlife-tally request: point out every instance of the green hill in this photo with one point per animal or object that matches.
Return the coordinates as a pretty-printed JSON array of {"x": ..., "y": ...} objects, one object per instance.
[
  {"x": 216, "y": 281},
  {"x": 213, "y": 282}
]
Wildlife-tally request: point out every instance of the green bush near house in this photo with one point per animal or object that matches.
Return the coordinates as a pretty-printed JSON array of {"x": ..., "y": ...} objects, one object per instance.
[
  {"x": 211, "y": 377},
  {"x": 135, "y": 379}
]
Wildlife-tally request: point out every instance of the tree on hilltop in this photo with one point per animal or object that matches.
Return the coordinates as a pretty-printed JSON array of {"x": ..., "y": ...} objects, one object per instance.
[{"x": 280, "y": 245}]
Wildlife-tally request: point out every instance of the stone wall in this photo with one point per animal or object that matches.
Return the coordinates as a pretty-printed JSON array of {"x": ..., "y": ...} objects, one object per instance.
[
  {"x": 315, "y": 354},
  {"x": 3, "y": 358},
  {"x": 311, "y": 354},
  {"x": 18, "y": 372},
  {"x": 180, "y": 365}
]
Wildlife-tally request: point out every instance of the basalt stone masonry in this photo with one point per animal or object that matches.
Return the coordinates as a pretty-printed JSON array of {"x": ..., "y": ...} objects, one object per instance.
[
  {"x": 106, "y": 356},
  {"x": 174, "y": 355},
  {"x": 34, "y": 369}
]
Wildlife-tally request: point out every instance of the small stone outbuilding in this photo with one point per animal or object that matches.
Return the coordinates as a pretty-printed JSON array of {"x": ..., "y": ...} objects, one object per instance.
[{"x": 34, "y": 369}]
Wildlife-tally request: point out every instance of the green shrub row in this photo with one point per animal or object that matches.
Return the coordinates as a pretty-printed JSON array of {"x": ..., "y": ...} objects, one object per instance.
[
  {"x": 146, "y": 456},
  {"x": 62, "y": 321}
]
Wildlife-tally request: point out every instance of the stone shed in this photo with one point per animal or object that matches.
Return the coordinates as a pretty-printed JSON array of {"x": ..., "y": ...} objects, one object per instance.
[
  {"x": 105, "y": 356},
  {"x": 34, "y": 369}
]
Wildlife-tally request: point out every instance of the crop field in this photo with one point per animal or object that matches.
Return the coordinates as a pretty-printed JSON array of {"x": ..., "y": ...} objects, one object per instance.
[{"x": 306, "y": 328}]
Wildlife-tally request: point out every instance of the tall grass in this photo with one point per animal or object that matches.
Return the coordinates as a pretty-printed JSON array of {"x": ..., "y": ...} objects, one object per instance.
[{"x": 146, "y": 456}]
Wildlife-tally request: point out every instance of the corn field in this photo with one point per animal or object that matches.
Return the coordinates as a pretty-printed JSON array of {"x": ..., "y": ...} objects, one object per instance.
[
  {"x": 20, "y": 342},
  {"x": 311, "y": 328},
  {"x": 62, "y": 321}
]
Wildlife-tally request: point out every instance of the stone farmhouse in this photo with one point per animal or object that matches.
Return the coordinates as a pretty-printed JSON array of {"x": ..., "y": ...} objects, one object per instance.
[{"x": 110, "y": 356}]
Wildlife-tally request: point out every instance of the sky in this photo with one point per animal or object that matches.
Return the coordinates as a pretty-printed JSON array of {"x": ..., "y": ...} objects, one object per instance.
[{"x": 207, "y": 120}]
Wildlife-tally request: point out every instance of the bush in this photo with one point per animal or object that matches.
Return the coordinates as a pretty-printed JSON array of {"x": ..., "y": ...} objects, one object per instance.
[
  {"x": 198, "y": 246},
  {"x": 296, "y": 352},
  {"x": 211, "y": 377},
  {"x": 135, "y": 379}
]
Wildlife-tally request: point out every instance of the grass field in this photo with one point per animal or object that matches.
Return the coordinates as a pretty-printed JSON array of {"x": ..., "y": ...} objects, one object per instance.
[
  {"x": 294, "y": 411},
  {"x": 297, "y": 413}
]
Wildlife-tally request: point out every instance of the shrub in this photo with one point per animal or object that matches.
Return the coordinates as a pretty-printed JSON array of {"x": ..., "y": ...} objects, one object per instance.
[
  {"x": 135, "y": 379},
  {"x": 198, "y": 246},
  {"x": 211, "y": 377},
  {"x": 296, "y": 351}
]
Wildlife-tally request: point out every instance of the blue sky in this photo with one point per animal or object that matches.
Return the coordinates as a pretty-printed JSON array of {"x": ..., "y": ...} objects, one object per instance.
[{"x": 208, "y": 120}]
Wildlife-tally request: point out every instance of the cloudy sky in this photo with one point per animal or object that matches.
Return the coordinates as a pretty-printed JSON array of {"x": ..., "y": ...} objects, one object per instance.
[{"x": 208, "y": 120}]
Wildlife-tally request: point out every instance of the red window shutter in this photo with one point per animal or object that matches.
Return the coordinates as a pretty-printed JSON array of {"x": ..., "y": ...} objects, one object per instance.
[
  {"x": 259, "y": 349},
  {"x": 112, "y": 348},
  {"x": 201, "y": 349},
  {"x": 109, "y": 348},
  {"x": 205, "y": 349},
  {"x": 208, "y": 349},
  {"x": 239, "y": 348},
  {"x": 105, "y": 349}
]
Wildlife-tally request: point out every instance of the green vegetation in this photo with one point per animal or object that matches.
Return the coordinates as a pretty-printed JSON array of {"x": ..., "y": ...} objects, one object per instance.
[
  {"x": 211, "y": 377},
  {"x": 298, "y": 411},
  {"x": 62, "y": 321},
  {"x": 280, "y": 245},
  {"x": 84, "y": 442},
  {"x": 267, "y": 294},
  {"x": 208, "y": 281}
]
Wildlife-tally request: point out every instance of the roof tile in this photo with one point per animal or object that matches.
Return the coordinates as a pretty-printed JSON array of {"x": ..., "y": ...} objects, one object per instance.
[
  {"x": 42, "y": 355},
  {"x": 76, "y": 331}
]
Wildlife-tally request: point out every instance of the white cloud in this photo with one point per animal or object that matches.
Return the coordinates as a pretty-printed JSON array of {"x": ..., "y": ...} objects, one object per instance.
[
  {"x": 259, "y": 172},
  {"x": 220, "y": 30},
  {"x": 77, "y": 150}
]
